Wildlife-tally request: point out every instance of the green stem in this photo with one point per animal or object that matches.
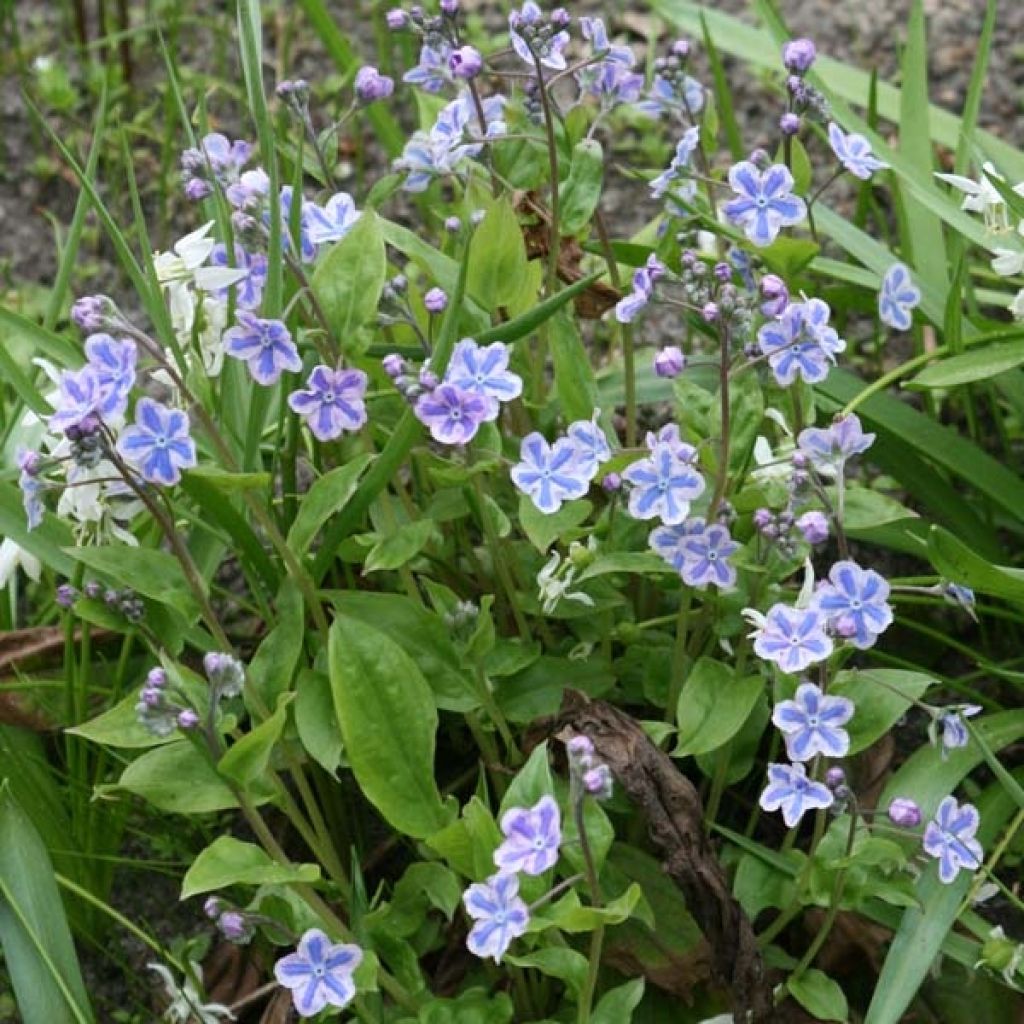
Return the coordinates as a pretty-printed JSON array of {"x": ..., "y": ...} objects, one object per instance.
[
  {"x": 678, "y": 669},
  {"x": 722, "y": 478},
  {"x": 594, "y": 886}
]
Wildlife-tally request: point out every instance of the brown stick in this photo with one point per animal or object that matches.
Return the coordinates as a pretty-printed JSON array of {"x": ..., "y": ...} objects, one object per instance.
[{"x": 675, "y": 823}]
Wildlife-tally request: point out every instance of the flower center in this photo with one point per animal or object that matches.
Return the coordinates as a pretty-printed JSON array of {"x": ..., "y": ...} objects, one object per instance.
[
  {"x": 855, "y": 604},
  {"x": 499, "y": 917},
  {"x": 812, "y": 721},
  {"x": 794, "y": 640},
  {"x": 456, "y": 414},
  {"x": 538, "y": 843},
  {"x": 319, "y": 971},
  {"x": 760, "y": 202},
  {"x": 160, "y": 441},
  {"x": 328, "y": 397},
  {"x": 712, "y": 555},
  {"x": 663, "y": 486}
]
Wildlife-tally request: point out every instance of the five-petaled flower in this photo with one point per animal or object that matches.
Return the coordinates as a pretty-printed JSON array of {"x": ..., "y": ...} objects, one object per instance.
[
  {"x": 699, "y": 550},
  {"x": 765, "y": 202},
  {"x": 485, "y": 372},
  {"x": 549, "y": 474},
  {"x": 248, "y": 290},
  {"x": 812, "y": 723},
  {"x": 265, "y": 346},
  {"x": 452, "y": 415},
  {"x": 532, "y": 838},
  {"x": 800, "y": 343},
  {"x": 949, "y": 837},
  {"x": 854, "y": 152},
  {"x": 332, "y": 402},
  {"x": 897, "y": 298},
  {"x": 791, "y": 791},
  {"x": 158, "y": 443},
  {"x": 829, "y": 448},
  {"x": 79, "y": 395},
  {"x": 319, "y": 973},
  {"x": 664, "y": 484},
  {"x": 113, "y": 363},
  {"x": 791, "y": 637},
  {"x": 592, "y": 448},
  {"x": 332, "y": 221},
  {"x": 499, "y": 914},
  {"x": 854, "y": 601}
]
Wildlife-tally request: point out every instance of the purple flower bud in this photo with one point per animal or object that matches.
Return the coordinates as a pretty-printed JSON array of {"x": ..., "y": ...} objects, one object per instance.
[
  {"x": 453, "y": 225},
  {"x": 436, "y": 300},
  {"x": 723, "y": 271},
  {"x": 156, "y": 678},
  {"x": 193, "y": 162},
  {"x": 29, "y": 462},
  {"x": 399, "y": 283},
  {"x": 904, "y": 813},
  {"x": 669, "y": 361},
  {"x": 428, "y": 379},
  {"x": 466, "y": 62},
  {"x": 681, "y": 48},
  {"x": 813, "y": 526},
  {"x": 789, "y": 123},
  {"x": 187, "y": 720},
  {"x": 85, "y": 427},
  {"x": 710, "y": 312},
  {"x": 775, "y": 294},
  {"x": 211, "y": 906},
  {"x": 598, "y": 782},
  {"x": 580, "y": 747},
  {"x": 234, "y": 926},
  {"x": 449, "y": 7},
  {"x": 91, "y": 312},
  {"x": 560, "y": 18},
  {"x": 799, "y": 460},
  {"x": 798, "y": 55},
  {"x": 394, "y": 365},
  {"x": 396, "y": 19},
  {"x": 94, "y": 591},
  {"x": 197, "y": 189},
  {"x": 760, "y": 158},
  {"x": 293, "y": 90},
  {"x": 795, "y": 85},
  {"x": 835, "y": 777},
  {"x": 371, "y": 85},
  {"x": 66, "y": 595},
  {"x": 612, "y": 483},
  {"x": 151, "y": 698},
  {"x": 111, "y": 597},
  {"x": 763, "y": 517}
]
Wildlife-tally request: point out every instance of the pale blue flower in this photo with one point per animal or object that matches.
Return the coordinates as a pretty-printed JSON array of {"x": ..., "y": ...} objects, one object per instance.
[
  {"x": 677, "y": 176},
  {"x": 663, "y": 485},
  {"x": 484, "y": 371},
  {"x": 812, "y": 723},
  {"x": 665, "y": 97},
  {"x": 319, "y": 973},
  {"x": 800, "y": 343},
  {"x": 549, "y": 474},
  {"x": 592, "y": 448},
  {"x": 793, "y": 638},
  {"x": 612, "y": 79},
  {"x": 549, "y": 50},
  {"x": 226, "y": 158},
  {"x": 853, "y": 152},
  {"x": 954, "y": 730},
  {"x": 499, "y": 915},
  {"x": 265, "y": 346},
  {"x": 248, "y": 291},
  {"x": 668, "y": 541},
  {"x": 332, "y": 221},
  {"x": 644, "y": 278},
  {"x": 897, "y": 297},
  {"x": 705, "y": 554},
  {"x": 79, "y": 395},
  {"x": 453, "y": 416},
  {"x": 765, "y": 202},
  {"x": 830, "y": 448},
  {"x": 854, "y": 602},
  {"x": 332, "y": 402},
  {"x": 532, "y": 838},
  {"x": 791, "y": 791},
  {"x": 431, "y": 73},
  {"x": 158, "y": 444},
  {"x": 113, "y": 363},
  {"x": 949, "y": 837}
]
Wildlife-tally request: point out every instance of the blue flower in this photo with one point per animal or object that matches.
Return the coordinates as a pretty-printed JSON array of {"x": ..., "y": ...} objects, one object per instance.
[
  {"x": 830, "y": 448},
  {"x": 158, "y": 444},
  {"x": 612, "y": 79},
  {"x": 765, "y": 204},
  {"x": 31, "y": 487},
  {"x": 854, "y": 603},
  {"x": 949, "y": 837},
  {"x": 548, "y": 48},
  {"x": 485, "y": 372},
  {"x": 532, "y": 838},
  {"x": 452, "y": 415},
  {"x": 226, "y": 158},
  {"x": 626, "y": 309},
  {"x": 677, "y": 175},
  {"x": 549, "y": 474},
  {"x": 668, "y": 541},
  {"x": 431, "y": 74},
  {"x": 954, "y": 730},
  {"x": 800, "y": 343},
  {"x": 853, "y": 152},
  {"x": 332, "y": 221},
  {"x": 959, "y": 596},
  {"x": 705, "y": 554},
  {"x": 665, "y": 97},
  {"x": 793, "y": 638},
  {"x": 265, "y": 346},
  {"x": 318, "y": 973},
  {"x": 664, "y": 484},
  {"x": 897, "y": 297},
  {"x": 499, "y": 914},
  {"x": 248, "y": 291},
  {"x": 812, "y": 723},
  {"x": 592, "y": 448},
  {"x": 113, "y": 363},
  {"x": 332, "y": 402},
  {"x": 790, "y": 791},
  {"x": 79, "y": 395}
]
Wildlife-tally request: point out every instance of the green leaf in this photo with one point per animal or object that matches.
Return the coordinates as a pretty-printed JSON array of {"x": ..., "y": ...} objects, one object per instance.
[
  {"x": 787, "y": 257},
  {"x": 557, "y": 962},
  {"x": 400, "y": 547},
  {"x": 617, "y": 1006},
  {"x": 574, "y": 376},
  {"x": 541, "y": 530},
  {"x": 316, "y": 722},
  {"x": 531, "y": 782},
  {"x": 881, "y": 697},
  {"x": 497, "y": 257},
  {"x": 119, "y": 726},
  {"x": 580, "y": 193},
  {"x": 327, "y": 496},
  {"x": 979, "y": 364},
  {"x": 388, "y": 723},
  {"x": 248, "y": 758},
  {"x": 38, "y": 951},
  {"x": 713, "y": 706},
  {"x": 956, "y": 561},
  {"x": 819, "y": 995},
  {"x": 270, "y": 671},
  {"x": 229, "y": 861},
  {"x": 179, "y": 778},
  {"x": 526, "y": 323},
  {"x": 571, "y": 916},
  {"x": 349, "y": 280},
  {"x": 231, "y": 483}
]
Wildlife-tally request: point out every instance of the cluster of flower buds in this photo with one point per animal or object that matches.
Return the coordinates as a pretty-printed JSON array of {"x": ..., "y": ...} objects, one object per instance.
[
  {"x": 588, "y": 775},
  {"x": 462, "y": 618},
  {"x": 712, "y": 291},
  {"x": 777, "y": 529},
  {"x": 408, "y": 385},
  {"x": 225, "y": 673},
  {"x": 798, "y": 55},
  {"x": 835, "y": 779},
  {"x": 294, "y": 93},
  {"x": 159, "y": 711},
  {"x": 217, "y": 160},
  {"x": 88, "y": 442},
  {"x": 125, "y": 602},
  {"x": 436, "y": 29},
  {"x": 673, "y": 86},
  {"x": 93, "y": 313},
  {"x": 233, "y": 924},
  {"x": 540, "y": 36}
]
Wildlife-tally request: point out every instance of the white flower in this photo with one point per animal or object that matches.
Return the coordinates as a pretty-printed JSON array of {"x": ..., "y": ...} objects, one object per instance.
[
  {"x": 1017, "y": 305},
  {"x": 772, "y": 465},
  {"x": 186, "y": 1004},
  {"x": 552, "y": 589},
  {"x": 983, "y": 197},
  {"x": 1008, "y": 262},
  {"x": 11, "y": 557}
]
